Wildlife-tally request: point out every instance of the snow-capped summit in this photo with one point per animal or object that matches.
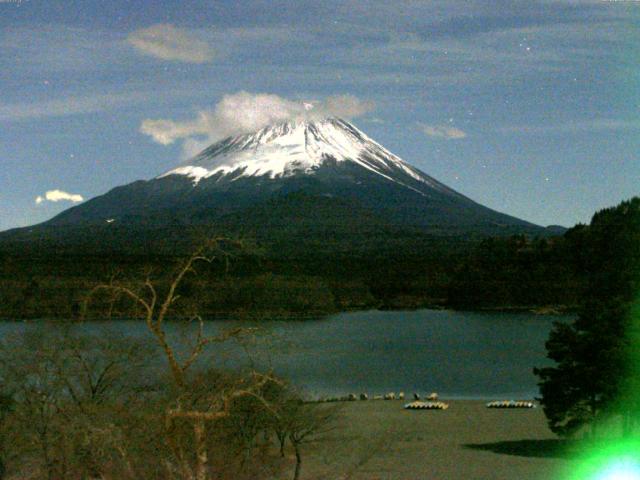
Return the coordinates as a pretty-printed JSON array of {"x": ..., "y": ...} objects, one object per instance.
[
  {"x": 309, "y": 173},
  {"x": 300, "y": 147}
]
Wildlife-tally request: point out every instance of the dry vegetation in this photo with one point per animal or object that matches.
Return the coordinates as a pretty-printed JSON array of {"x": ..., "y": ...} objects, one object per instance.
[{"x": 79, "y": 404}]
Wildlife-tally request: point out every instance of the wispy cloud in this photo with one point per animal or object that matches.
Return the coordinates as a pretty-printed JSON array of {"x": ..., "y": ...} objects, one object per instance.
[
  {"x": 246, "y": 112},
  {"x": 72, "y": 105},
  {"x": 569, "y": 127},
  {"x": 376, "y": 120},
  {"x": 442, "y": 131},
  {"x": 165, "y": 132},
  {"x": 58, "y": 196},
  {"x": 167, "y": 42},
  {"x": 98, "y": 102}
]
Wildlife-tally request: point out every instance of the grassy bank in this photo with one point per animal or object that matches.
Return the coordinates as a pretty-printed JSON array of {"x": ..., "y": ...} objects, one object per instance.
[{"x": 380, "y": 440}]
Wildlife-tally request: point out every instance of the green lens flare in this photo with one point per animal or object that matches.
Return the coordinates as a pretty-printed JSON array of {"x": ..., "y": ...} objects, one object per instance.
[
  {"x": 602, "y": 405},
  {"x": 624, "y": 469},
  {"x": 615, "y": 455},
  {"x": 609, "y": 461}
]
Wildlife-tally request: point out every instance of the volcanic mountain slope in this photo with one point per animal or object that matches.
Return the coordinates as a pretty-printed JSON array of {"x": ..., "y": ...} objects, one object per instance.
[{"x": 324, "y": 172}]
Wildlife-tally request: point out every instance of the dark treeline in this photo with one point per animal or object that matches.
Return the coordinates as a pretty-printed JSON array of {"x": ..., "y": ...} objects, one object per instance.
[
  {"x": 303, "y": 270},
  {"x": 298, "y": 274},
  {"x": 521, "y": 272}
]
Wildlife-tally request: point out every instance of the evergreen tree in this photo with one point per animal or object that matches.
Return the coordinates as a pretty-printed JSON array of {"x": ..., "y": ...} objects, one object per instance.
[{"x": 594, "y": 369}]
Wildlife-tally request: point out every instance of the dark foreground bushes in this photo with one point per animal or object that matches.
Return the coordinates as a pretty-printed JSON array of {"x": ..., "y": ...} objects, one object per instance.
[{"x": 79, "y": 403}]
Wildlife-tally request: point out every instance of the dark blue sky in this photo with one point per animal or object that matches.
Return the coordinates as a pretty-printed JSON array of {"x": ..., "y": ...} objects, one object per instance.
[{"x": 531, "y": 108}]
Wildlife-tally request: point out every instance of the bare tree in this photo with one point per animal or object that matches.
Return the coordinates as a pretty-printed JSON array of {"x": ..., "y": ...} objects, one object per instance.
[
  {"x": 85, "y": 406},
  {"x": 299, "y": 422},
  {"x": 156, "y": 307},
  {"x": 66, "y": 388}
]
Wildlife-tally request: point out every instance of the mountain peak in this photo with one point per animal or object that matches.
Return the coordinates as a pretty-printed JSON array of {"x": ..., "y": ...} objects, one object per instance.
[
  {"x": 299, "y": 147},
  {"x": 337, "y": 175}
]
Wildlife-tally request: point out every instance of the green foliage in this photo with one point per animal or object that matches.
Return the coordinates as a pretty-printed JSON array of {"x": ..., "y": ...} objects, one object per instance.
[
  {"x": 594, "y": 361},
  {"x": 321, "y": 273},
  {"x": 516, "y": 271},
  {"x": 306, "y": 269}
]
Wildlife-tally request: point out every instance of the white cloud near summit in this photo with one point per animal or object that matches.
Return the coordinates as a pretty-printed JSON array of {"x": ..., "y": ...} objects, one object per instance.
[
  {"x": 167, "y": 42},
  {"x": 57, "y": 196},
  {"x": 245, "y": 112}
]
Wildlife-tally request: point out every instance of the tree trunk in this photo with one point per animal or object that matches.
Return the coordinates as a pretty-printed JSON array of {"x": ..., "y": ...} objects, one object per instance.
[
  {"x": 594, "y": 418},
  {"x": 628, "y": 424},
  {"x": 282, "y": 439},
  {"x": 201, "y": 450},
  {"x": 296, "y": 473},
  {"x": 48, "y": 462}
]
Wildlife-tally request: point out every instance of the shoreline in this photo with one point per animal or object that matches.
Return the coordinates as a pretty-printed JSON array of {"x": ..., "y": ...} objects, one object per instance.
[
  {"x": 441, "y": 398},
  {"x": 541, "y": 310}
]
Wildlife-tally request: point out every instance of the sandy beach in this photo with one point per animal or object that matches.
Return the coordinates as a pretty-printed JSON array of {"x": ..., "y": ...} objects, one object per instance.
[{"x": 379, "y": 440}]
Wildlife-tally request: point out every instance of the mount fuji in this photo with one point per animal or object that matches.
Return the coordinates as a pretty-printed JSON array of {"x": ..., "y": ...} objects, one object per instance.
[
  {"x": 302, "y": 148},
  {"x": 313, "y": 176}
]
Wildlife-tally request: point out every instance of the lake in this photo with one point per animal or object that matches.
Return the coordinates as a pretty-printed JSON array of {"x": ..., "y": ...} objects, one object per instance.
[{"x": 457, "y": 354}]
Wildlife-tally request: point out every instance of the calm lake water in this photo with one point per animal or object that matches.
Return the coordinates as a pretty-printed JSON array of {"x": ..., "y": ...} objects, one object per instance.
[{"x": 458, "y": 354}]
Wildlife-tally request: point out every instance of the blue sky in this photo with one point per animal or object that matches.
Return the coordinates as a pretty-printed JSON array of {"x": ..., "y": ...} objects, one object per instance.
[{"x": 531, "y": 108}]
